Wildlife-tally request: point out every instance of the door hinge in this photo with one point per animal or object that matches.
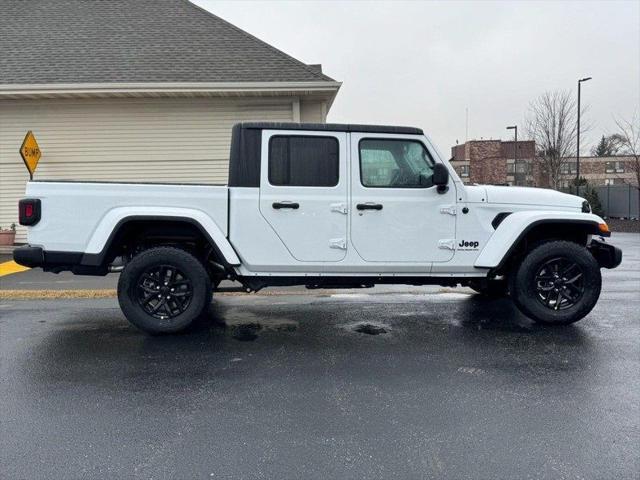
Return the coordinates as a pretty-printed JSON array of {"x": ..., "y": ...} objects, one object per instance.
[
  {"x": 450, "y": 209},
  {"x": 448, "y": 244},
  {"x": 338, "y": 243},
  {"x": 339, "y": 207}
]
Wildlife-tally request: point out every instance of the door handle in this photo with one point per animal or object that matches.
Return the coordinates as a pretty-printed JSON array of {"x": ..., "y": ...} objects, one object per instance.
[
  {"x": 292, "y": 205},
  {"x": 369, "y": 206}
]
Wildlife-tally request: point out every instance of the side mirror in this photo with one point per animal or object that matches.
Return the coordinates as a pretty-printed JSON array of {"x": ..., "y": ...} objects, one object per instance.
[{"x": 441, "y": 177}]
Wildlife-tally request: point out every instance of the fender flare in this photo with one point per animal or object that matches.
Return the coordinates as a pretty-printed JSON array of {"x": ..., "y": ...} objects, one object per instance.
[
  {"x": 104, "y": 234},
  {"x": 518, "y": 224}
]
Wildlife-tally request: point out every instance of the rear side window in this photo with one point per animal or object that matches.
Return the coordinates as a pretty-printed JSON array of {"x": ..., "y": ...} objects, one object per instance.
[{"x": 302, "y": 161}]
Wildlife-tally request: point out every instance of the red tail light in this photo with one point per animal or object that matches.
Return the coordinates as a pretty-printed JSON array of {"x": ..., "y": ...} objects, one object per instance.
[{"x": 29, "y": 211}]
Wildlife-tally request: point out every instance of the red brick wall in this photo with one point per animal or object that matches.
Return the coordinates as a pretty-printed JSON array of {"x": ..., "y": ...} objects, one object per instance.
[
  {"x": 526, "y": 149},
  {"x": 489, "y": 170},
  {"x": 487, "y": 163},
  {"x": 488, "y": 159},
  {"x": 458, "y": 152}
]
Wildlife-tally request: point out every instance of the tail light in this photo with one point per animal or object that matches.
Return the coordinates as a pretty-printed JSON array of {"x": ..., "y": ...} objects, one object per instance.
[{"x": 29, "y": 211}]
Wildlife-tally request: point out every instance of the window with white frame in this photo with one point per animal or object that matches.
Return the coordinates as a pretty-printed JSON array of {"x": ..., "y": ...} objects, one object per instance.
[
  {"x": 523, "y": 167},
  {"x": 614, "y": 167},
  {"x": 569, "y": 167}
]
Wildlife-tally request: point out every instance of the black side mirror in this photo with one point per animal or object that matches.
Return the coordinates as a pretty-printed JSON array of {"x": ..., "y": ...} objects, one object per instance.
[{"x": 441, "y": 177}]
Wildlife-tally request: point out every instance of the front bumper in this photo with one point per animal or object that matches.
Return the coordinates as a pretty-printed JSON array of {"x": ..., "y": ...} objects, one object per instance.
[{"x": 607, "y": 255}]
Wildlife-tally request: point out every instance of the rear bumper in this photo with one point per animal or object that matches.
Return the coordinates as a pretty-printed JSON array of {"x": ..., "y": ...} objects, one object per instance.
[
  {"x": 29, "y": 256},
  {"x": 607, "y": 255},
  {"x": 56, "y": 262}
]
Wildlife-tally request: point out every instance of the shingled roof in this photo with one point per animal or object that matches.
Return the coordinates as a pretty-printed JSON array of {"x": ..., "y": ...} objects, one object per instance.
[{"x": 134, "y": 41}]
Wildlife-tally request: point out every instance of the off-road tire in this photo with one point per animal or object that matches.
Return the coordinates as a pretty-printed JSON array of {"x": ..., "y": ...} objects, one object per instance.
[
  {"x": 490, "y": 288},
  {"x": 523, "y": 286},
  {"x": 132, "y": 296}
]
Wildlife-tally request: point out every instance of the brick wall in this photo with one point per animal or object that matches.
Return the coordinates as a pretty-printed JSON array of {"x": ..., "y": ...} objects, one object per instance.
[
  {"x": 488, "y": 159},
  {"x": 594, "y": 170},
  {"x": 526, "y": 149}
]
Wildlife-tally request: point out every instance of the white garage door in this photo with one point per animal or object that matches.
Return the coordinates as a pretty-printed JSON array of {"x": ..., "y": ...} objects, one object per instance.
[{"x": 125, "y": 139}]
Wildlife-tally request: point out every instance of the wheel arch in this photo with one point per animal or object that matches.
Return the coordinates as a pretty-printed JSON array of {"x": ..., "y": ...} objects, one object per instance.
[
  {"x": 515, "y": 236},
  {"x": 105, "y": 247}
]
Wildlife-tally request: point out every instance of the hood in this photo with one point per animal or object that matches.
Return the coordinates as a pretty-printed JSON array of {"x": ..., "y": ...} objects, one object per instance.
[{"x": 531, "y": 196}]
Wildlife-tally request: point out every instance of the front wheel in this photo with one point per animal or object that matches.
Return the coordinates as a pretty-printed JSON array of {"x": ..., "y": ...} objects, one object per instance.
[
  {"x": 163, "y": 290},
  {"x": 557, "y": 283}
]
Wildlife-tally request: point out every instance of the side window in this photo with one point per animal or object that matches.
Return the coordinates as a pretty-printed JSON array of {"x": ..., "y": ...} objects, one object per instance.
[
  {"x": 303, "y": 161},
  {"x": 395, "y": 164}
]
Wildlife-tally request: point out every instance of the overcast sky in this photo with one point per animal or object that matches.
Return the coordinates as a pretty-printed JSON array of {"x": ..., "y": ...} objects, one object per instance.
[{"x": 424, "y": 63}]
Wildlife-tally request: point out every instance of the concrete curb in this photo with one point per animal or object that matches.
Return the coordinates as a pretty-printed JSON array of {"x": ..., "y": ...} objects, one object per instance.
[
  {"x": 55, "y": 294},
  {"x": 111, "y": 293}
]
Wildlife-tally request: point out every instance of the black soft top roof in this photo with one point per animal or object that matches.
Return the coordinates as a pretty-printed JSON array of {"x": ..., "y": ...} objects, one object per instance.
[{"x": 331, "y": 127}]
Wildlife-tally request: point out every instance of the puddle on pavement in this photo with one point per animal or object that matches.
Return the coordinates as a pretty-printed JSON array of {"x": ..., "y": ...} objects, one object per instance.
[
  {"x": 246, "y": 326},
  {"x": 370, "y": 328},
  {"x": 246, "y": 333}
]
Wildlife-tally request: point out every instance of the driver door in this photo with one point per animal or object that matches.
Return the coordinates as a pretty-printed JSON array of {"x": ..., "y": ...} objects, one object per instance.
[{"x": 395, "y": 209}]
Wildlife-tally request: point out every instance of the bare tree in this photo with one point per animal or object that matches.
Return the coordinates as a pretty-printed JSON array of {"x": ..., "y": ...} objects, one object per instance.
[
  {"x": 629, "y": 140},
  {"x": 551, "y": 123}
]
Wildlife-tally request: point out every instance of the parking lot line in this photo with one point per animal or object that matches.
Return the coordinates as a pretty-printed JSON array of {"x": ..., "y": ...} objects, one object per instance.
[{"x": 7, "y": 268}]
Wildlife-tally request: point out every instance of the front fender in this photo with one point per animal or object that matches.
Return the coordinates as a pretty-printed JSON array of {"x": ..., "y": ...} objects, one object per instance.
[
  {"x": 111, "y": 221},
  {"x": 514, "y": 227}
]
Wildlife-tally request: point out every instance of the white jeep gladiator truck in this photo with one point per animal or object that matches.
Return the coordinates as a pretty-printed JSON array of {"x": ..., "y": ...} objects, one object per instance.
[{"x": 325, "y": 206}]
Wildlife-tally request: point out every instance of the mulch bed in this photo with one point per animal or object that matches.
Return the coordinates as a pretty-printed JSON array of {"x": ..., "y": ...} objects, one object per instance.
[{"x": 621, "y": 225}]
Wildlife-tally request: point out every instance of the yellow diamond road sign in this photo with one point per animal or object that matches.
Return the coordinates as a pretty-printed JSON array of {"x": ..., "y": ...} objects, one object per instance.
[{"x": 30, "y": 152}]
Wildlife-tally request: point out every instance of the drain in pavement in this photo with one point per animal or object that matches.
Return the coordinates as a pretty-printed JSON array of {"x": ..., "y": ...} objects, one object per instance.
[{"x": 370, "y": 329}]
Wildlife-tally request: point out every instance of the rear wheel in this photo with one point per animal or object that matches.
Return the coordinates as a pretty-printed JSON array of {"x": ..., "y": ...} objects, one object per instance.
[
  {"x": 163, "y": 290},
  {"x": 556, "y": 283}
]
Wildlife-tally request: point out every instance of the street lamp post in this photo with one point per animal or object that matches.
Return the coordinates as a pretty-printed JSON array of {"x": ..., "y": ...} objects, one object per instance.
[
  {"x": 578, "y": 137},
  {"x": 515, "y": 153}
]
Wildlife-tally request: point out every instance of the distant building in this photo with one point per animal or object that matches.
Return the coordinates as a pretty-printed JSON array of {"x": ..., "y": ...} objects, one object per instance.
[
  {"x": 613, "y": 170},
  {"x": 493, "y": 162}
]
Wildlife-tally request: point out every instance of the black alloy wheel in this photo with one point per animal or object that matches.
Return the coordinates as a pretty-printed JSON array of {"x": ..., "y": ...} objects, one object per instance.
[
  {"x": 164, "y": 291},
  {"x": 559, "y": 283}
]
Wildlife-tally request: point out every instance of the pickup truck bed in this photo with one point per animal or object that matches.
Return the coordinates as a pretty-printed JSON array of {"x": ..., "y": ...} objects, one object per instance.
[{"x": 77, "y": 216}]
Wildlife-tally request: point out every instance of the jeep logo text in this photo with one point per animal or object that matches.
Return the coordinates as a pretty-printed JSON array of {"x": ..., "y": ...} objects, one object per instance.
[{"x": 467, "y": 244}]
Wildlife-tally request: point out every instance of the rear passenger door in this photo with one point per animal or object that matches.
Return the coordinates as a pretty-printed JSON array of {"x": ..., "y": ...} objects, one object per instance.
[{"x": 303, "y": 192}]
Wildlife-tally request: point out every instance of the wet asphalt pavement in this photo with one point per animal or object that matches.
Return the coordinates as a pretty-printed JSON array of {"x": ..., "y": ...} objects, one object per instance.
[{"x": 451, "y": 386}]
